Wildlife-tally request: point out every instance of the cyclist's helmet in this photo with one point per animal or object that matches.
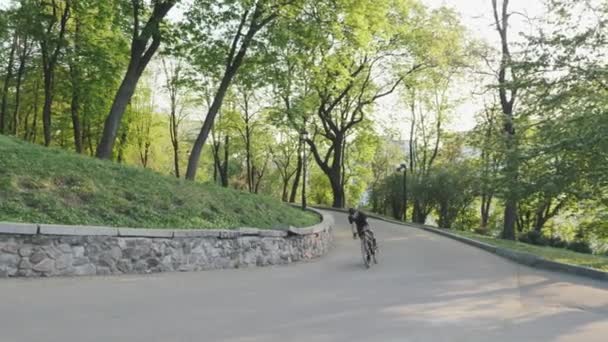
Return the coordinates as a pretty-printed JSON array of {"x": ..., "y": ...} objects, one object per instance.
[{"x": 351, "y": 211}]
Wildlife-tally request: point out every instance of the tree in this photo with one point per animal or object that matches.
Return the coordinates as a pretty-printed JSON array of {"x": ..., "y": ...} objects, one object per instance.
[
  {"x": 339, "y": 109},
  {"x": 222, "y": 140},
  {"x": 7, "y": 79},
  {"x": 284, "y": 153},
  {"x": 25, "y": 50},
  {"x": 176, "y": 83},
  {"x": 75, "y": 77},
  {"x": 250, "y": 19},
  {"x": 144, "y": 43},
  {"x": 289, "y": 68},
  {"x": 249, "y": 116},
  {"x": 452, "y": 192},
  {"x": 563, "y": 150},
  {"x": 487, "y": 139},
  {"x": 53, "y": 19},
  {"x": 387, "y": 156},
  {"x": 507, "y": 91},
  {"x": 430, "y": 104}
]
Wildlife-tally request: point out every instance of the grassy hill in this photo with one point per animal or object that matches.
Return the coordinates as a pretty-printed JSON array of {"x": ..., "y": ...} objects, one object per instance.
[{"x": 43, "y": 185}]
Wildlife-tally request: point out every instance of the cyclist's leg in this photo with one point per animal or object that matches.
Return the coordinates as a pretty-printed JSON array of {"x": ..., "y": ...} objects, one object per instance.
[
  {"x": 372, "y": 238},
  {"x": 369, "y": 236}
]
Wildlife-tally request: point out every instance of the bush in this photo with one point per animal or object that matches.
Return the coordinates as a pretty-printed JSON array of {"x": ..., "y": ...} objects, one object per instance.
[
  {"x": 580, "y": 247},
  {"x": 534, "y": 238},
  {"x": 558, "y": 242}
]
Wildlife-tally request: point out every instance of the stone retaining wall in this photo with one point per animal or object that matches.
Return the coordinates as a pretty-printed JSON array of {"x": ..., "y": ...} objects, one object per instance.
[{"x": 30, "y": 250}]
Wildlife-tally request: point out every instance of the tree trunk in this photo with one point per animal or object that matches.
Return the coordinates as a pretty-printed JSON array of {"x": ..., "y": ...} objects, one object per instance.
[
  {"x": 75, "y": 77},
  {"x": 248, "y": 155},
  {"x": 121, "y": 148},
  {"x": 221, "y": 166},
  {"x": 338, "y": 192},
  {"x": 486, "y": 202},
  {"x": 284, "y": 192},
  {"x": 121, "y": 100},
  {"x": 215, "y": 150},
  {"x": 175, "y": 140},
  {"x": 510, "y": 216},
  {"x": 30, "y": 132},
  {"x": 337, "y": 188},
  {"x": 511, "y": 171},
  {"x": 75, "y": 108},
  {"x": 176, "y": 159},
  {"x": 261, "y": 173},
  {"x": 296, "y": 181},
  {"x": 224, "y": 170},
  {"x": 49, "y": 62},
  {"x": 7, "y": 81},
  {"x": 88, "y": 136},
  {"x": 20, "y": 75},
  {"x": 336, "y": 177},
  {"x": 507, "y": 93},
  {"x": 48, "y": 102},
  {"x": 142, "y": 51}
]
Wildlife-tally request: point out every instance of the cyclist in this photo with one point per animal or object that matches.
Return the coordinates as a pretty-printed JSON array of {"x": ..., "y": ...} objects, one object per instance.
[{"x": 359, "y": 220}]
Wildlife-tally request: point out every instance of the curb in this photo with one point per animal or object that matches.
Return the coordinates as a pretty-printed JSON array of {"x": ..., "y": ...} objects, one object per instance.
[
  {"x": 83, "y": 230},
  {"x": 516, "y": 256}
]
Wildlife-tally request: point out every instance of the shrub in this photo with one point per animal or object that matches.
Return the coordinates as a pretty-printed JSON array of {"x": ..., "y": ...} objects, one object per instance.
[
  {"x": 580, "y": 246},
  {"x": 557, "y": 242},
  {"x": 534, "y": 238}
]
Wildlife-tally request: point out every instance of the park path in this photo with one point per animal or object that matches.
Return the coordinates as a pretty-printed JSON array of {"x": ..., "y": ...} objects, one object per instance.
[{"x": 426, "y": 288}]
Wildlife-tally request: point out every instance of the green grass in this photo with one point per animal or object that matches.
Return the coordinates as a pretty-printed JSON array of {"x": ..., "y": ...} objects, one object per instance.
[
  {"x": 47, "y": 185},
  {"x": 550, "y": 253}
]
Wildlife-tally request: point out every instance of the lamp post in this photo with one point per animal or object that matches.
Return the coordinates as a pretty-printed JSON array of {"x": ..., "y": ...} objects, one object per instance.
[
  {"x": 403, "y": 167},
  {"x": 303, "y": 138}
]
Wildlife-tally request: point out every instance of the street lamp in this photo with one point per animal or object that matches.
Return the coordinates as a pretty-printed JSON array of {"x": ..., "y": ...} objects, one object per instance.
[
  {"x": 303, "y": 139},
  {"x": 403, "y": 168}
]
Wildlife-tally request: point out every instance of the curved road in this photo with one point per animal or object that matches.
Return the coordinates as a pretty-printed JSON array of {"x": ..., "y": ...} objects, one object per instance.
[{"x": 426, "y": 288}]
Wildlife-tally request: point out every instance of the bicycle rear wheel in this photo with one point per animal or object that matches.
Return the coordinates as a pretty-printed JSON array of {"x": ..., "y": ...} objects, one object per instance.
[{"x": 365, "y": 252}]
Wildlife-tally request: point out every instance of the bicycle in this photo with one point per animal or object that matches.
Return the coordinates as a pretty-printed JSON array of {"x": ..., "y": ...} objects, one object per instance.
[{"x": 367, "y": 249}]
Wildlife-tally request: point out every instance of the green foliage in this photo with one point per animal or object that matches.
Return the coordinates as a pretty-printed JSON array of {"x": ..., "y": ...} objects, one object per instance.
[
  {"x": 52, "y": 186},
  {"x": 452, "y": 192}
]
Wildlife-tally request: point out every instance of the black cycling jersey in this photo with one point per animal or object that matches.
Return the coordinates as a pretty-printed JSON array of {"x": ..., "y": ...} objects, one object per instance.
[{"x": 360, "y": 220}]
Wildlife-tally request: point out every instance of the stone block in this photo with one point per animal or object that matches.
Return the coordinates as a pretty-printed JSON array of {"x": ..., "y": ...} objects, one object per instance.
[
  {"x": 53, "y": 229},
  {"x": 124, "y": 266},
  {"x": 37, "y": 257},
  {"x": 45, "y": 266},
  {"x": 192, "y": 233},
  {"x": 150, "y": 233},
  {"x": 18, "y": 228},
  {"x": 25, "y": 264},
  {"x": 9, "y": 260},
  {"x": 246, "y": 231},
  {"x": 273, "y": 233},
  {"x": 10, "y": 247},
  {"x": 25, "y": 251},
  {"x": 78, "y": 251},
  {"x": 85, "y": 270},
  {"x": 6, "y": 271},
  {"x": 103, "y": 271},
  {"x": 64, "y": 261},
  {"x": 301, "y": 231}
]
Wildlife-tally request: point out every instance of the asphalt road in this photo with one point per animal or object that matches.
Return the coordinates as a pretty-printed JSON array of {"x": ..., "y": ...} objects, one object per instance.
[{"x": 426, "y": 288}]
